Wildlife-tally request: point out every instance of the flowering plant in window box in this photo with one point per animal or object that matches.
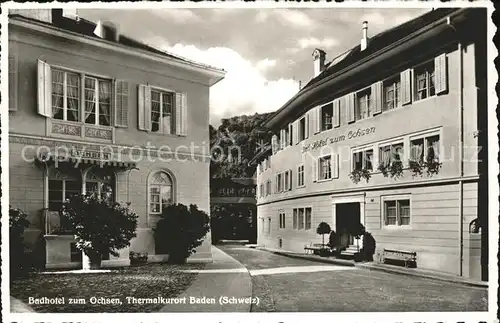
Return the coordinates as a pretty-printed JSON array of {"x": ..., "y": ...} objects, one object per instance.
[
  {"x": 431, "y": 167},
  {"x": 357, "y": 174},
  {"x": 417, "y": 168},
  {"x": 393, "y": 169}
]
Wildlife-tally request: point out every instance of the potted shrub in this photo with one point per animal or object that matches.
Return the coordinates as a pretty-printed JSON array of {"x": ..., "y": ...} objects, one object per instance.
[
  {"x": 322, "y": 229},
  {"x": 357, "y": 174},
  {"x": 357, "y": 231},
  {"x": 332, "y": 240},
  {"x": 17, "y": 224},
  {"x": 369, "y": 246},
  {"x": 99, "y": 227},
  {"x": 180, "y": 230}
]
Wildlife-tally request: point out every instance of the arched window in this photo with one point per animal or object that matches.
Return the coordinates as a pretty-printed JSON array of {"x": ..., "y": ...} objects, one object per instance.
[
  {"x": 101, "y": 182},
  {"x": 160, "y": 192}
]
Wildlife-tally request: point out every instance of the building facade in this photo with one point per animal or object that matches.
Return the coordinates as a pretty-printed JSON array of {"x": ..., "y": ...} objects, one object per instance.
[
  {"x": 392, "y": 135},
  {"x": 91, "y": 110}
]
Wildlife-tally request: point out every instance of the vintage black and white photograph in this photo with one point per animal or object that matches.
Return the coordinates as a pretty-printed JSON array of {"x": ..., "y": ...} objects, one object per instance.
[{"x": 248, "y": 159}]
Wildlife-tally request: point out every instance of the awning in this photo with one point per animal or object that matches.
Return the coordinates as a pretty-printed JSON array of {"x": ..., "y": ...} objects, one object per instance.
[{"x": 47, "y": 158}]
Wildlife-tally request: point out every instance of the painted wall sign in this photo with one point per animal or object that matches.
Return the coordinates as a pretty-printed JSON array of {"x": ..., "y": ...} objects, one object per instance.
[
  {"x": 351, "y": 134},
  {"x": 99, "y": 155}
]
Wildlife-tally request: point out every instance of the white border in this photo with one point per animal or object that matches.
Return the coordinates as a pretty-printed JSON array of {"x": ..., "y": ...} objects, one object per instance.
[{"x": 269, "y": 317}]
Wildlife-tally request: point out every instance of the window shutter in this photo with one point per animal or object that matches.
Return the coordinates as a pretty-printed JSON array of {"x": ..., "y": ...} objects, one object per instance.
[
  {"x": 441, "y": 82},
  {"x": 315, "y": 169},
  {"x": 307, "y": 124},
  {"x": 121, "y": 103},
  {"x": 290, "y": 180},
  {"x": 350, "y": 107},
  {"x": 181, "y": 114},
  {"x": 144, "y": 107},
  {"x": 12, "y": 83},
  {"x": 335, "y": 165},
  {"x": 274, "y": 144},
  {"x": 336, "y": 113},
  {"x": 290, "y": 131},
  {"x": 406, "y": 86},
  {"x": 44, "y": 89},
  {"x": 316, "y": 120},
  {"x": 377, "y": 97},
  {"x": 282, "y": 182},
  {"x": 282, "y": 138},
  {"x": 295, "y": 134}
]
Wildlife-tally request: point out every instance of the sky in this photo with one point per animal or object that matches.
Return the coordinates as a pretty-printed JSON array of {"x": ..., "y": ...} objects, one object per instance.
[{"x": 265, "y": 52}]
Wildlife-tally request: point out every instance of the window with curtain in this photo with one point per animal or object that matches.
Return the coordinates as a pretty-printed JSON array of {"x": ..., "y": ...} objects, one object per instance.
[
  {"x": 162, "y": 112},
  {"x": 326, "y": 117},
  {"x": 363, "y": 160},
  {"x": 97, "y": 101},
  {"x": 424, "y": 81},
  {"x": 325, "y": 167},
  {"x": 65, "y": 95},
  {"x": 391, "y": 153},
  {"x": 392, "y": 93},
  {"x": 363, "y": 104},
  {"x": 101, "y": 182},
  {"x": 160, "y": 192},
  {"x": 425, "y": 148},
  {"x": 300, "y": 176}
]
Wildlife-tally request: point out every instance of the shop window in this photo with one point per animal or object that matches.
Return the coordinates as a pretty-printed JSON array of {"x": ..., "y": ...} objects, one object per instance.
[
  {"x": 424, "y": 81},
  {"x": 300, "y": 176},
  {"x": 363, "y": 160},
  {"x": 326, "y": 117},
  {"x": 392, "y": 93},
  {"x": 363, "y": 108},
  {"x": 397, "y": 212},
  {"x": 160, "y": 192},
  {"x": 425, "y": 149}
]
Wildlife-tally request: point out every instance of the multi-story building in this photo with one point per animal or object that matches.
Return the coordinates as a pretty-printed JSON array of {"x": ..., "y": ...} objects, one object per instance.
[
  {"x": 350, "y": 146},
  {"x": 93, "y": 110}
]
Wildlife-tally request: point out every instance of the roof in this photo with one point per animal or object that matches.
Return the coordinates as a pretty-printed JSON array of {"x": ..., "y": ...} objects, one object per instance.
[
  {"x": 86, "y": 27},
  {"x": 376, "y": 43}
]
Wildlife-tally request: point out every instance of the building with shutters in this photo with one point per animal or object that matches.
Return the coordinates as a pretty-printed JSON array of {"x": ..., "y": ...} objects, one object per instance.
[
  {"x": 410, "y": 96},
  {"x": 93, "y": 110}
]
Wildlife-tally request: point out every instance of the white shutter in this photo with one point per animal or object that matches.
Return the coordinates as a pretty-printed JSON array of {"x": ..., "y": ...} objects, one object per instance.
[
  {"x": 295, "y": 134},
  {"x": 144, "y": 107},
  {"x": 377, "y": 97},
  {"x": 315, "y": 120},
  {"x": 12, "y": 83},
  {"x": 335, "y": 165},
  {"x": 274, "y": 144},
  {"x": 282, "y": 182},
  {"x": 349, "y": 102},
  {"x": 121, "y": 103},
  {"x": 282, "y": 138},
  {"x": 315, "y": 169},
  {"x": 307, "y": 124},
  {"x": 181, "y": 114},
  {"x": 336, "y": 113},
  {"x": 44, "y": 89},
  {"x": 441, "y": 82},
  {"x": 406, "y": 86}
]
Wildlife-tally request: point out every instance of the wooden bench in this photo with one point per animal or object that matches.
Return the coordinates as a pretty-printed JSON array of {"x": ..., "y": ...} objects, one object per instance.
[
  {"x": 409, "y": 258},
  {"x": 315, "y": 248}
]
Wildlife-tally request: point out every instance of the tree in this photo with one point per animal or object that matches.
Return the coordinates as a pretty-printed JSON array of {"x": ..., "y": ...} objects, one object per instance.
[
  {"x": 180, "y": 230},
  {"x": 323, "y": 228},
  {"x": 17, "y": 224},
  {"x": 99, "y": 227}
]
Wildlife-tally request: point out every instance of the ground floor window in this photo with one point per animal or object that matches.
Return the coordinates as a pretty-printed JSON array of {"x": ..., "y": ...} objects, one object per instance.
[
  {"x": 63, "y": 183},
  {"x": 160, "y": 192},
  {"x": 268, "y": 226},
  {"x": 397, "y": 211},
  {"x": 282, "y": 220},
  {"x": 100, "y": 182},
  {"x": 302, "y": 218}
]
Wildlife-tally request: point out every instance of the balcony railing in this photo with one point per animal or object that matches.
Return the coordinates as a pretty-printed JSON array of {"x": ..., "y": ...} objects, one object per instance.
[{"x": 55, "y": 224}]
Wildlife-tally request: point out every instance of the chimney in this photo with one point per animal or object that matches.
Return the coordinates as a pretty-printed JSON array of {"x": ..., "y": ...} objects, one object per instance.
[
  {"x": 319, "y": 61},
  {"x": 71, "y": 14},
  {"x": 107, "y": 30},
  {"x": 364, "y": 40}
]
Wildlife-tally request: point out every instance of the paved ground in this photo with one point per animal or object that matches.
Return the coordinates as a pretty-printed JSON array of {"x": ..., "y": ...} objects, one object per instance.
[{"x": 287, "y": 284}]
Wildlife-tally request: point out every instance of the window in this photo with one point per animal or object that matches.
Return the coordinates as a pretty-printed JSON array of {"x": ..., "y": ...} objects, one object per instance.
[
  {"x": 363, "y": 108},
  {"x": 425, "y": 149},
  {"x": 286, "y": 138},
  {"x": 325, "y": 167},
  {"x": 290, "y": 136},
  {"x": 301, "y": 219},
  {"x": 261, "y": 190},
  {"x": 300, "y": 176},
  {"x": 392, "y": 93},
  {"x": 268, "y": 225},
  {"x": 97, "y": 101},
  {"x": 397, "y": 212},
  {"x": 162, "y": 112},
  {"x": 302, "y": 129},
  {"x": 279, "y": 183},
  {"x": 65, "y": 95},
  {"x": 160, "y": 192},
  {"x": 282, "y": 220},
  {"x": 391, "y": 153},
  {"x": 424, "y": 81},
  {"x": 268, "y": 187},
  {"x": 308, "y": 218},
  {"x": 62, "y": 185},
  {"x": 295, "y": 219},
  {"x": 288, "y": 180},
  {"x": 326, "y": 117},
  {"x": 100, "y": 182},
  {"x": 363, "y": 160}
]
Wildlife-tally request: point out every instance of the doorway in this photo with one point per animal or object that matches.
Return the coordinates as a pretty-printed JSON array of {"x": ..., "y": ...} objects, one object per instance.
[{"x": 347, "y": 217}]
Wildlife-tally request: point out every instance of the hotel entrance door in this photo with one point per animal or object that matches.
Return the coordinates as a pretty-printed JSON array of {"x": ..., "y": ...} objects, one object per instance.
[{"x": 347, "y": 218}]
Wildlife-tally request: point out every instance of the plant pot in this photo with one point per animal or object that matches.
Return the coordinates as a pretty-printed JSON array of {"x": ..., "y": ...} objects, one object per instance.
[{"x": 91, "y": 260}]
